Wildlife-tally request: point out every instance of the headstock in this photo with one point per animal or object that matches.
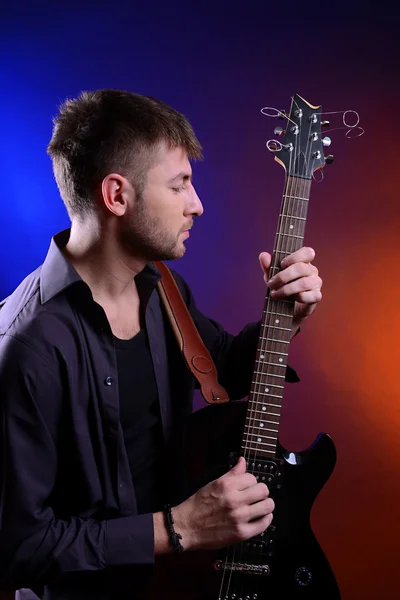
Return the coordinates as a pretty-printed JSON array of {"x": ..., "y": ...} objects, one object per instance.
[{"x": 300, "y": 151}]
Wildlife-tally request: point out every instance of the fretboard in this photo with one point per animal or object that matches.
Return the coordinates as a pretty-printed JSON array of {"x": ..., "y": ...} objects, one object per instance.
[{"x": 265, "y": 398}]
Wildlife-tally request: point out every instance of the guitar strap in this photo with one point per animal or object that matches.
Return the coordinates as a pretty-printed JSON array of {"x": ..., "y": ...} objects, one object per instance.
[{"x": 196, "y": 355}]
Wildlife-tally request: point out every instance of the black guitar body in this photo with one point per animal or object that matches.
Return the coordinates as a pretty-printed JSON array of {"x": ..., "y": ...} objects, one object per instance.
[{"x": 287, "y": 561}]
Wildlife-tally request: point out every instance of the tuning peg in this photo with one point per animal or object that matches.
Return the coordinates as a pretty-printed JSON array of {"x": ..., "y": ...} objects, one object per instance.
[
  {"x": 279, "y": 131},
  {"x": 326, "y": 141},
  {"x": 329, "y": 159},
  {"x": 282, "y": 114},
  {"x": 325, "y": 123}
]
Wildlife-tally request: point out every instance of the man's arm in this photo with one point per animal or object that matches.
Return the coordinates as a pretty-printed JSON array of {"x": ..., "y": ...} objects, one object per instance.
[{"x": 35, "y": 545}]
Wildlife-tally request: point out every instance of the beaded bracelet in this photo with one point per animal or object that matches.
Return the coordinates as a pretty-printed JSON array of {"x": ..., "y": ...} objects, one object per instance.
[{"x": 174, "y": 537}]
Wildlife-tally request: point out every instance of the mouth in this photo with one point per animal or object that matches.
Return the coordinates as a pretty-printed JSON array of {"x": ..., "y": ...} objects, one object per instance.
[{"x": 187, "y": 229}]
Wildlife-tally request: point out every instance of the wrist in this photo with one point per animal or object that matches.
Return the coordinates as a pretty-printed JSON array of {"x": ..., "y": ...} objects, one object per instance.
[
  {"x": 181, "y": 527},
  {"x": 174, "y": 536}
]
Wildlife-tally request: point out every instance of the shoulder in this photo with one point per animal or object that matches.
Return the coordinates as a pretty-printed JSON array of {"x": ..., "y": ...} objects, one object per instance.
[
  {"x": 28, "y": 327},
  {"x": 20, "y": 302}
]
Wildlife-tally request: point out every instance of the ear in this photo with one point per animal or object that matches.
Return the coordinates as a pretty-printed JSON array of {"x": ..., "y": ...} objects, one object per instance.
[{"x": 117, "y": 193}]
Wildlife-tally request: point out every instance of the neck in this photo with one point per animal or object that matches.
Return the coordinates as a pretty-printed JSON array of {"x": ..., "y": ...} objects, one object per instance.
[{"x": 102, "y": 262}]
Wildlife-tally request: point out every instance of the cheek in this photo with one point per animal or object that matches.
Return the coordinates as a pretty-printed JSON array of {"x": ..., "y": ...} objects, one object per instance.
[{"x": 165, "y": 207}]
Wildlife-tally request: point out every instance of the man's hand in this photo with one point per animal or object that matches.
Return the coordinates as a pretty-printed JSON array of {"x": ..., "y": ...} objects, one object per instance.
[
  {"x": 231, "y": 509},
  {"x": 298, "y": 278}
]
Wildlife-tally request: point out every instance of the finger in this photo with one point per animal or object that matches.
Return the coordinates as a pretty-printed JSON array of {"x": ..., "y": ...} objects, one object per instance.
[
  {"x": 304, "y": 254},
  {"x": 244, "y": 482},
  {"x": 258, "y": 526},
  {"x": 309, "y": 298},
  {"x": 291, "y": 273},
  {"x": 238, "y": 469},
  {"x": 260, "y": 509},
  {"x": 255, "y": 493},
  {"x": 303, "y": 284},
  {"x": 265, "y": 263}
]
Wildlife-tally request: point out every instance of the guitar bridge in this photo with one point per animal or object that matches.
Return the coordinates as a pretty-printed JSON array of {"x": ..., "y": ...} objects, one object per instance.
[{"x": 244, "y": 568}]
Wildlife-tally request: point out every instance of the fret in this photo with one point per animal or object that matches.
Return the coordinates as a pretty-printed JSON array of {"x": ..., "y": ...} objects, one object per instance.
[
  {"x": 272, "y": 437},
  {"x": 295, "y": 197},
  {"x": 263, "y": 437},
  {"x": 267, "y": 374},
  {"x": 264, "y": 412},
  {"x": 265, "y": 324},
  {"x": 272, "y": 364},
  {"x": 272, "y": 340},
  {"x": 293, "y": 217},
  {"x": 273, "y": 352},
  {"x": 271, "y": 312},
  {"x": 270, "y": 384},
  {"x": 300, "y": 237},
  {"x": 274, "y": 327},
  {"x": 265, "y": 451},
  {"x": 264, "y": 443},
  {"x": 269, "y": 396},
  {"x": 282, "y": 252},
  {"x": 269, "y": 403},
  {"x": 263, "y": 428},
  {"x": 272, "y": 423}
]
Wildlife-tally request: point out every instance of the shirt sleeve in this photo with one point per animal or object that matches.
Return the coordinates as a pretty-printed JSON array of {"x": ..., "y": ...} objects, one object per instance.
[
  {"x": 234, "y": 356},
  {"x": 35, "y": 545}
]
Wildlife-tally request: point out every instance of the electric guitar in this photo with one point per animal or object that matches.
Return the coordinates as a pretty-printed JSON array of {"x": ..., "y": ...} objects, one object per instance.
[{"x": 285, "y": 561}]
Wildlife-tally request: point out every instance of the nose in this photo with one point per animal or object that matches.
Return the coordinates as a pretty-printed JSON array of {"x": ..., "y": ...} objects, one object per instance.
[{"x": 194, "y": 205}]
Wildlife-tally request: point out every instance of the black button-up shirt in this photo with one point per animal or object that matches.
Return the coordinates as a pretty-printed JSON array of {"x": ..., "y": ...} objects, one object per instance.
[{"x": 67, "y": 502}]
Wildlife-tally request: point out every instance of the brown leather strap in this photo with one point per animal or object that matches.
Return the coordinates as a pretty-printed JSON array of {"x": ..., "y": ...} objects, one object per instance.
[{"x": 196, "y": 355}]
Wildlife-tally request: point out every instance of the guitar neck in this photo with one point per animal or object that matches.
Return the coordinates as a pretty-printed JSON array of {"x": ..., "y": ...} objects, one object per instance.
[{"x": 265, "y": 398}]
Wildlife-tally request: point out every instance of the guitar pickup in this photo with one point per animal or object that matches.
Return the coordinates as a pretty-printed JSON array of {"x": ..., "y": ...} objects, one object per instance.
[{"x": 268, "y": 471}]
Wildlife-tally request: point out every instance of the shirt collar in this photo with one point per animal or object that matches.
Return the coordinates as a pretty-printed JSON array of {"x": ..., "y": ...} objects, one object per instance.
[{"x": 57, "y": 274}]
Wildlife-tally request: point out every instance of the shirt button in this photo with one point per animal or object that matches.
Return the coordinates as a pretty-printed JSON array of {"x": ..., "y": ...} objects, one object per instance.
[{"x": 108, "y": 380}]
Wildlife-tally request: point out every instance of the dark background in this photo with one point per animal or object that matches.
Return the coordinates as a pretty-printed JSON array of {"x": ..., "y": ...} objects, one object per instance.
[{"x": 220, "y": 63}]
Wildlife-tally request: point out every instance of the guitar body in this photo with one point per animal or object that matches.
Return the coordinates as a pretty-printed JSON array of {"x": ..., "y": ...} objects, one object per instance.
[{"x": 298, "y": 567}]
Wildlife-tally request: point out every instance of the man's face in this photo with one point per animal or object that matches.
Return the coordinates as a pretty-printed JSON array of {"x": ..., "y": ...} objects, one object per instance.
[{"x": 158, "y": 225}]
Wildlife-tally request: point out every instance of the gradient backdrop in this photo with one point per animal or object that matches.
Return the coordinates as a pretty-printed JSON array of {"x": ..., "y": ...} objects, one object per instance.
[{"x": 220, "y": 63}]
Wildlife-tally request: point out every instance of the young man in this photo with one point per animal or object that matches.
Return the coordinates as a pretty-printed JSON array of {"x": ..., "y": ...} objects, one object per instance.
[{"x": 94, "y": 391}]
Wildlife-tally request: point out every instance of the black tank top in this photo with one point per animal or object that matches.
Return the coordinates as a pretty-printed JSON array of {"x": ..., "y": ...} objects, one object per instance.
[{"x": 141, "y": 421}]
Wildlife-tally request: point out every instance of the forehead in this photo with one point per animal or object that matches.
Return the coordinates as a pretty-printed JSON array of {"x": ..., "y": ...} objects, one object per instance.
[{"x": 169, "y": 163}]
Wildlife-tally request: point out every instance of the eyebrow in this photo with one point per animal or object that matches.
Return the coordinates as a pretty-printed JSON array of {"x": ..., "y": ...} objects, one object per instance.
[{"x": 181, "y": 175}]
